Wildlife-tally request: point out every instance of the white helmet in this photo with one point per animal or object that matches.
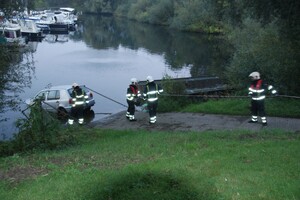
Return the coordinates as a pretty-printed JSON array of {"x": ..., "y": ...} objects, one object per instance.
[
  {"x": 133, "y": 80},
  {"x": 149, "y": 79},
  {"x": 74, "y": 85},
  {"x": 255, "y": 75}
]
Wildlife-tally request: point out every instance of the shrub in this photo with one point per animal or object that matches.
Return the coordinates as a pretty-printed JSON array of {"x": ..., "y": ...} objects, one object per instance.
[
  {"x": 161, "y": 12},
  {"x": 172, "y": 99},
  {"x": 261, "y": 48},
  {"x": 39, "y": 131}
]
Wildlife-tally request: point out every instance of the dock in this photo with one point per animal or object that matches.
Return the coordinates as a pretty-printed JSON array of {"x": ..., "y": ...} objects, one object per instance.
[{"x": 196, "y": 85}]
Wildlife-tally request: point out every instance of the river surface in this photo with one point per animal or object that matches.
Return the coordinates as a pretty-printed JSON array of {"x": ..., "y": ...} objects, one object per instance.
[{"x": 104, "y": 54}]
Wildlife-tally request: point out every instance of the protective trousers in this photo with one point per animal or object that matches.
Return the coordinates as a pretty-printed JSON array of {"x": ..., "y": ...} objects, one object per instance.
[
  {"x": 258, "y": 109},
  {"x": 152, "y": 107},
  {"x": 130, "y": 110},
  {"x": 76, "y": 113}
]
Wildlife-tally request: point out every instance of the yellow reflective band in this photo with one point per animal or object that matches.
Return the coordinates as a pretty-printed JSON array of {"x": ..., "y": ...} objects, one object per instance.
[
  {"x": 259, "y": 98},
  {"x": 152, "y": 99},
  {"x": 151, "y": 92},
  {"x": 256, "y": 91},
  {"x": 79, "y": 96},
  {"x": 79, "y": 102}
]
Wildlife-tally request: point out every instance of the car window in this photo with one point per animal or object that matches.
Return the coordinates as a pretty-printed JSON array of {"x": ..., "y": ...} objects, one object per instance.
[
  {"x": 53, "y": 95},
  {"x": 41, "y": 95},
  {"x": 70, "y": 91},
  {"x": 82, "y": 86}
]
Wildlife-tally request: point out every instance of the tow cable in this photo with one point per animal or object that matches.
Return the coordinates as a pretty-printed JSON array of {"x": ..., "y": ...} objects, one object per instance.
[{"x": 107, "y": 97}]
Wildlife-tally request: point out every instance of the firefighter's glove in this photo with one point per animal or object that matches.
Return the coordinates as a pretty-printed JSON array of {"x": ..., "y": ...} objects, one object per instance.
[{"x": 274, "y": 92}]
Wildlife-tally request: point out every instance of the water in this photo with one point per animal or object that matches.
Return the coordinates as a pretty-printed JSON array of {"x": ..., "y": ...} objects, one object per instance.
[{"x": 104, "y": 54}]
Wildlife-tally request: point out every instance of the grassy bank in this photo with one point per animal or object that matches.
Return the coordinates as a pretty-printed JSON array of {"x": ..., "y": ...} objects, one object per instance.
[
  {"x": 107, "y": 164},
  {"x": 275, "y": 107},
  {"x": 142, "y": 165}
]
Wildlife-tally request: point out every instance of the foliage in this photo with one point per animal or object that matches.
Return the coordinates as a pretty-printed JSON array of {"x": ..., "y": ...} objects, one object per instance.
[
  {"x": 161, "y": 12},
  {"x": 139, "y": 10},
  {"x": 260, "y": 48},
  {"x": 171, "y": 99},
  {"x": 8, "y": 7},
  {"x": 196, "y": 15},
  {"x": 40, "y": 131},
  {"x": 16, "y": 70}
]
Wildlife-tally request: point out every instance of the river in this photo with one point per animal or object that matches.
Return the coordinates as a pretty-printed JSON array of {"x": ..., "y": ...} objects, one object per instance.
[{"x": 104, "y": 53}]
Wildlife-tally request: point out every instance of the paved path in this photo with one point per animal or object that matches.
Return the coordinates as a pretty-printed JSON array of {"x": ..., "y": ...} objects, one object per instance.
[{"x": 193, "y": 122}]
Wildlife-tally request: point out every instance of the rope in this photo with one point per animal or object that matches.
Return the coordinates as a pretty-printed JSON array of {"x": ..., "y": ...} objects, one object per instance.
[
  {"x": 208, "y": 96},
  {"x": 222, "y": 96},
  {"x": 103, "y": 113},
  {"x": 107, "y": 97},
  {"x": 287, "y": 96}
]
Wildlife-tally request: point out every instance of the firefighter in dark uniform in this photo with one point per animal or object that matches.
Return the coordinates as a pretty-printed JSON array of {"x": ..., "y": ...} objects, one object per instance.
[
  {"x": 132, "y": 96},
  {"x": 257, "y": 91},
  {"x": 151, "y": 92},
  {"x": 79, "y": 99}
]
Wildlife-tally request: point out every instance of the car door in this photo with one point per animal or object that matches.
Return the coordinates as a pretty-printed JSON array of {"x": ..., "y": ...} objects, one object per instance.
[
  {"x": 41, "y": 96},
  {"x": 52, "y": 101}
]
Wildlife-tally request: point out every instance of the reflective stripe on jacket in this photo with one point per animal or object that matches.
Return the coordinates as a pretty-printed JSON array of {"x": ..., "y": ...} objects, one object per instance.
[
  {"x": 151, "y": 92},
  {"x": 79, "y": 97},
  {"x": 132, "y": 92},
  {"x": 257, "y": 90}
]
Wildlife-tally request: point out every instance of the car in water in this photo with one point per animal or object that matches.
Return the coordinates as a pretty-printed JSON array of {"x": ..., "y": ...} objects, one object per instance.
[{"x": 57, "y": 99}]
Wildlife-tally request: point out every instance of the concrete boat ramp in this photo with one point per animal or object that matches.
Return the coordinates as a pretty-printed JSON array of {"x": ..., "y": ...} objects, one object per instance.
[{"x": 198, "y": 122}]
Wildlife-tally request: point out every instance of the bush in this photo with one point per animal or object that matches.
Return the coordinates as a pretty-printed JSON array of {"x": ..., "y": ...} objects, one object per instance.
[
  {"x": 40, "y": 131},
  {"x": 162, "y": 12},
  {"x": 261, "y": 48},
  {"x": 139, "y": 10},
  {"x": 172, "y": 98},
  {"x": 197, "y": 15}
]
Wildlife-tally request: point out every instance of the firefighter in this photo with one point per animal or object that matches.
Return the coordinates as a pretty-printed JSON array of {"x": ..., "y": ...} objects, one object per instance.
[
  {"x": 132, "y": 96},
  {"x": 79, "y": 99},
  {"x": 257, "y": 91},
  {"x": 151, "y": 92}
]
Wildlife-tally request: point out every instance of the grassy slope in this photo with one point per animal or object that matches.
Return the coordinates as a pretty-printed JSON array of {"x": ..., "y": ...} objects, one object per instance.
[{"x": 142, "y": 165}]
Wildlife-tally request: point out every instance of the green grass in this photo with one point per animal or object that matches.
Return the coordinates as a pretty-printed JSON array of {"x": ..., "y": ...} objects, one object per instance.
[
  {"x": 274, "y": 107},
  {"x": 147, "y": 165}
]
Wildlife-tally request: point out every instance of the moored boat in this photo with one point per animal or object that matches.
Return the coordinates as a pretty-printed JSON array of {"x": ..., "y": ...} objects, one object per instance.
[
  {"x": 12, "y": 34},
  {"x": 30, "y": 29}
]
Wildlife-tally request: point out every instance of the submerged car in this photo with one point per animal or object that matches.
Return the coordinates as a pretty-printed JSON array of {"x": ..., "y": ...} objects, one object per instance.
[{"x": 58, "y": 99}]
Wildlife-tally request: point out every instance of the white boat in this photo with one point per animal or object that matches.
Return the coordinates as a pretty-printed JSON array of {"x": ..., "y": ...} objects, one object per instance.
[
  {"x": 63, "y": 20},
  {"x": 30, "y": 29},
  {"x": 54, "y": 22},
  {"x": 44, "y": 22},
  {"x": 41, "y": 22},
  {"x": 12, "y": 34},
  {"x": 70, "y": 13}
]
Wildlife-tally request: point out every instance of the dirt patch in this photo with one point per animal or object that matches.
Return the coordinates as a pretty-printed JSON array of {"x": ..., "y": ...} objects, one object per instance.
[{"x": 18, "y": 174}]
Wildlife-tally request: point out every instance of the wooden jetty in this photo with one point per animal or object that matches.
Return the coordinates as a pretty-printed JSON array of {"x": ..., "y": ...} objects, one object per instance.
[{"x": 196, "y": 85}]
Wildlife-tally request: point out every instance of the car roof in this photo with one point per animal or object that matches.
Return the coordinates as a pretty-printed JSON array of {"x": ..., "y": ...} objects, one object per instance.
[
  {"x": 63, "y": 87},
  {"x": 60, "y": 87}
]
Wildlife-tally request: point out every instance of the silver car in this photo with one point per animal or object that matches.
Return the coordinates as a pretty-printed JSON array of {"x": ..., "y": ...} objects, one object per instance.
[{"x": 58, "y": 99}]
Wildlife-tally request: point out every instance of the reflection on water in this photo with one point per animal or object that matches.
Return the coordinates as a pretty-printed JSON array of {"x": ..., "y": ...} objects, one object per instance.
[
  {"x": 203, "y": 53},
  {"x": 104, "y": 53}
]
